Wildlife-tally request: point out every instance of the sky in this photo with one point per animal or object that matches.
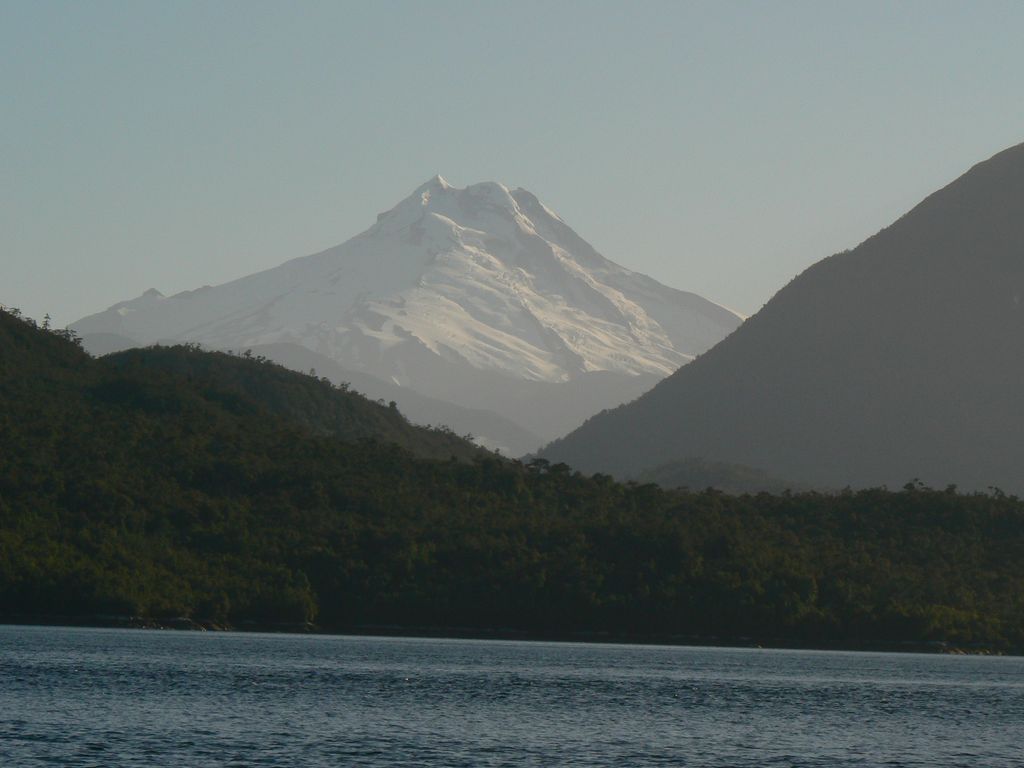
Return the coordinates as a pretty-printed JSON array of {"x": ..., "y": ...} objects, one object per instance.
[{"x": 720, "y": 147}]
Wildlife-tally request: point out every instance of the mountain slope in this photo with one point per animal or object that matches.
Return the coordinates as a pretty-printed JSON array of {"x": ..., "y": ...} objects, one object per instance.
[
  {"x": 165, "y": 389},
  {"x": 506, "y": 436},
  {"x": 899, "y": 359},
  {"x": 451, "y": 285}
]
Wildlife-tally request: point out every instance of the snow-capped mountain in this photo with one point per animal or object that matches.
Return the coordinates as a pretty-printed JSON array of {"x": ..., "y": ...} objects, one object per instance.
[{"x": 448, "y": 284}]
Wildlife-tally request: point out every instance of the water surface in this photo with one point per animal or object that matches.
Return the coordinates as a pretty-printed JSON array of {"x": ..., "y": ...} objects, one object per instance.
[{"x": 95, "y": 697}]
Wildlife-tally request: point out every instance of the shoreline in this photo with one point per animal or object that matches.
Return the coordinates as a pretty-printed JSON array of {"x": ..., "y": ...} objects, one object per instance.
[{"x": 186, "y": 624}]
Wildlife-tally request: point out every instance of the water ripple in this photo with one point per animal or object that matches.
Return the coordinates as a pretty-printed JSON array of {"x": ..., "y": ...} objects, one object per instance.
[{"x": 76, "y": 697}]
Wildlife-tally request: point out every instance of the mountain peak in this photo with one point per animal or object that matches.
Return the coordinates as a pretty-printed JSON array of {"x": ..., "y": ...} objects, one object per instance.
[
  {"x": 437, "y": 181},
  {"x": 453, "y": 205},
  {"x": 477, "y": 296},
  {"x": 482, "y": 189},
  {"x": 460, "y": 275}
]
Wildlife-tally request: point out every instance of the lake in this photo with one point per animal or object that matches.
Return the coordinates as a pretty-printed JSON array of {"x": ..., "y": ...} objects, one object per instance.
[{"x": 99, "y": 697}]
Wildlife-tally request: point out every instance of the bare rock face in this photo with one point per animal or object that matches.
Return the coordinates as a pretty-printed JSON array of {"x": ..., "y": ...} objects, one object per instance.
[{"x": 901, "y": 359}]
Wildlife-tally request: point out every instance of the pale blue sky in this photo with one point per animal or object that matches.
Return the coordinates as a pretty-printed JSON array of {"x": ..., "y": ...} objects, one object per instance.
[{"x": 719, "y": 147}]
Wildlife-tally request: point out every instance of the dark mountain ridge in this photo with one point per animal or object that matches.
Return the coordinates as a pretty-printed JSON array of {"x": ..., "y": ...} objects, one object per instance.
[{"x": 898, "y": 359}]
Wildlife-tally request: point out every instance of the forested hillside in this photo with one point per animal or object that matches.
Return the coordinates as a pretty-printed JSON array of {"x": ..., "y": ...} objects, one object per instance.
[
  {"x": 159, "y": 387},
  {"x": 168, "y": 483}
]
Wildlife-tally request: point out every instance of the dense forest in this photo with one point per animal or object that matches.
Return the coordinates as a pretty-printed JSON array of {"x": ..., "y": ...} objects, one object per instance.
[{"x": 172, "y": 483}]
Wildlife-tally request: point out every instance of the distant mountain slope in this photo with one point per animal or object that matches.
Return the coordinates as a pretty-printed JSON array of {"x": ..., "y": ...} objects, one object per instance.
[
  {"x": 450, "y": 287},
  {"x": 503, "y": 435},
  {"x": 100, "y": 344},
  {"x": 899, "y": 359},
  {"x": 698, "y": 474}
]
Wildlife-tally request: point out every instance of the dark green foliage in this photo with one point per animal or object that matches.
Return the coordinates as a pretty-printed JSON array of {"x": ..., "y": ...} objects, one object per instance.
[
  {"x": 697, "y": 474},
  {"x": 171, "y": 482}
]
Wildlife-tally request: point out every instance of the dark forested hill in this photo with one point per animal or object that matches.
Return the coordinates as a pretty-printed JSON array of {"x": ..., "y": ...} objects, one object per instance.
[
  {"x": 899, "y": 359},
  {"x": 254, "y": 387},
  {"x": 181, "y": 384},
  {"x": 171, "y": 484}
]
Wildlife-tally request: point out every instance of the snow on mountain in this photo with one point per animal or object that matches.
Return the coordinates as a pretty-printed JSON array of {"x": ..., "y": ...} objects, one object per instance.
[{"x": 483, "y": 279}]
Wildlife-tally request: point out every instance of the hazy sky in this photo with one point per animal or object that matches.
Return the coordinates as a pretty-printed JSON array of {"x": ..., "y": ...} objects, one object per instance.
[{"x": 719, "y": 147}]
